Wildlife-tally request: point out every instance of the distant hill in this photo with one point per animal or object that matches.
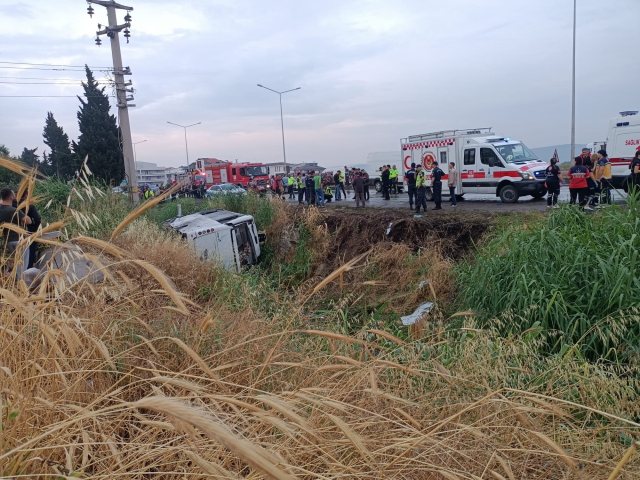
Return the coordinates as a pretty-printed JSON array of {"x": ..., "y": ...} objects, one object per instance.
[{"x": 564, "y": 151}]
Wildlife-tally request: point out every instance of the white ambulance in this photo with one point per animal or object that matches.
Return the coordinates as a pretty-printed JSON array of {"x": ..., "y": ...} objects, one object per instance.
[
  {"x": 486, "y": 163},
  {"x": 622, "y": 143}
]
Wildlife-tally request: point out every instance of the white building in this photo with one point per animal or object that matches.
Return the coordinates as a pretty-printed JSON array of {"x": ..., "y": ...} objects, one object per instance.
[
  {"x": 278, "y": 167},
  {"x": 150, "y": 173}
]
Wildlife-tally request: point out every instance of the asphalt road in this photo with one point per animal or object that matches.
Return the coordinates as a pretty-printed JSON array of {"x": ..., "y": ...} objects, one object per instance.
[{"x": 470, "y": 202}]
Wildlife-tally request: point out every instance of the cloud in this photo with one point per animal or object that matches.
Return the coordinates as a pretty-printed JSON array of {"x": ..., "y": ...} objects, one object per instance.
[{"x": 371, "y": 72}]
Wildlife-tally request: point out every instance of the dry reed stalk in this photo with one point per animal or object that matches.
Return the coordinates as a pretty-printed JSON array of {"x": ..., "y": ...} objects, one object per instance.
[
  {"x": 254, "y": 456},
  {"x": 388, "y": 336},
  {"x": 623, "y": 461},
  {"x": 562, "y": 453}
]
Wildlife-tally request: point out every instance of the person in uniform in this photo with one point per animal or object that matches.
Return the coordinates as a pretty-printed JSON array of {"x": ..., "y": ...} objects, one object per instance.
[
  {"x": 421, "y": 189},
  {"x": 436, "y": 185},
  {"x": 554, "y": 179},
  {"x": 410, "y": 177}
]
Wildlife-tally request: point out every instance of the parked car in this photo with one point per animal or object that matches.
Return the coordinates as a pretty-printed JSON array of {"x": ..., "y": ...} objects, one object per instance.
[{"x": 225, "y": 189}]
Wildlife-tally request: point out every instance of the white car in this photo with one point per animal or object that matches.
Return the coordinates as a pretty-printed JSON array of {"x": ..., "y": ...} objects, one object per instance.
[{"x": 225, "y": 189}]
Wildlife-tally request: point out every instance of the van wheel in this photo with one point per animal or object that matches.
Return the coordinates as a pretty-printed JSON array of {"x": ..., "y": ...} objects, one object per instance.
[
  {"x": 428, "y": 195},
  {"x": 509, "y": 194},
  {"x": 378, "y": 186}
]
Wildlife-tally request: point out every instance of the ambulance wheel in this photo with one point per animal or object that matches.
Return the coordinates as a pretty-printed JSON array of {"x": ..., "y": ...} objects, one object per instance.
[
  {"x": 509, "y": 194},
  {"x": 428, "y": 195},
  {"x": 378, "y": 186}
]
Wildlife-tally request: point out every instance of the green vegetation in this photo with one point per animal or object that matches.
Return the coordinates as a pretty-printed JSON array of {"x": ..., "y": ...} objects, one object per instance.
[{"x": 573, "y": 277}]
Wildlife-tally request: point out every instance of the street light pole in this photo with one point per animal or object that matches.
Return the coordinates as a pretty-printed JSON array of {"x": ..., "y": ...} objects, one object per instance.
[
  {"x": 186, "y": 147},
  {"x": 284, "y": 152},
  {"x": 135, "y": 158},
  {"x": 573, "y": 89}
]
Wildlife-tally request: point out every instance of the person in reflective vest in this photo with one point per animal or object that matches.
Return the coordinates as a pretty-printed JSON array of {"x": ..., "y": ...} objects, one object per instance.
[
  {"x": 148, "y": 193},
  {"x": 421, "y": 190},
  {"x": 301, "y": 188},
  {"x": 393, "y": 178},
  {"x": 291, "y": 182},
  {"x": 341, "y": 180}
]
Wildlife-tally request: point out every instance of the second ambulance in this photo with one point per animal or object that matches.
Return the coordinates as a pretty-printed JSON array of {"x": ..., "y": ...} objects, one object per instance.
[{"x": 486, "y": 163}]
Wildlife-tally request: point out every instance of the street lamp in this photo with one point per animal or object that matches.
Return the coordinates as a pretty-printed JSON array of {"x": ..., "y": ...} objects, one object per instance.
[
  {"x": 185, "y": 138},
  {"x": 135, "y": 158},
  {"x": 573, "y": 89},
  {"x": 284, "y": 153}
]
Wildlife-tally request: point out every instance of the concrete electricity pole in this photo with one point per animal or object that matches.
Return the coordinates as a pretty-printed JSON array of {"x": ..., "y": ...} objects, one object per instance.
[
  {"x": 112, "y": 31},
  {"x": 573, "y": 89}
]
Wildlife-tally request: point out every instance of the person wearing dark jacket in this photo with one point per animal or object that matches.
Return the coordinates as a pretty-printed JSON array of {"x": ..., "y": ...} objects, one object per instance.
[
  {"x": 386, "y": 183},
  {"x": 358, "y": 188},
  {"x": 436, "y": 185},
  {"x": 36, "y": 220},
  {"x": 336, "y": 182},
  {"x": 365, "y": 177},
  {"x": 310, "y": 192},
  {"x": 410, "y": 176}
]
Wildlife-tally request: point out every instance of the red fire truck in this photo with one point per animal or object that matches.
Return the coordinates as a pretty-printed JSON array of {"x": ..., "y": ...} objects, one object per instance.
[{"x": 237, "y": 173}]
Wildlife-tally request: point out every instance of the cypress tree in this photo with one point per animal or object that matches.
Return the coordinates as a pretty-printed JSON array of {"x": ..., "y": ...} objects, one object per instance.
[
  {"x": 99, "y": 134},
  {"x": 60, "y": 162}
]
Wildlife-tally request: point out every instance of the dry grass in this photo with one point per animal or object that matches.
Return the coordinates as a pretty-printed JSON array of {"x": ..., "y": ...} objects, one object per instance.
[{"x": 111, "y": 381}]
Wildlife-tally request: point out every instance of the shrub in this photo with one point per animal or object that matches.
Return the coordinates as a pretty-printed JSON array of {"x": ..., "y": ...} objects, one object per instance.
[{"x": 575, "y": 276}]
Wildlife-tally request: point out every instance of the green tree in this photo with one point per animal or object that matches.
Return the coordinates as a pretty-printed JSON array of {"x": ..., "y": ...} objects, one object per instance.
[
  {"x": 30, "y": 157},
  {"x": 61, "y": 161},
  {"x": 99, "y": 134},
  {"x": 7, "y": 177}
]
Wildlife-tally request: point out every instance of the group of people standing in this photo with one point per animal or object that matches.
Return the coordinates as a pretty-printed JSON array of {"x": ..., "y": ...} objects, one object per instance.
[
  {"x": 589, "y": 180},
  {"x": 417, "y": 184}
]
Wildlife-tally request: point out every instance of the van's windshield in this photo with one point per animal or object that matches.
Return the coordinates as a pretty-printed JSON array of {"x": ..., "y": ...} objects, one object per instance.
[{"x": 515, "y": 152}]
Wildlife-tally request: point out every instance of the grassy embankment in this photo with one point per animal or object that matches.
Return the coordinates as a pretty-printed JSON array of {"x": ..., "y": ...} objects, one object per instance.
[{"x": 174, "y": 369}]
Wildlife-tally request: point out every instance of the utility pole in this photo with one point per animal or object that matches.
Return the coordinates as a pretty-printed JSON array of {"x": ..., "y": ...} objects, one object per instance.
[
  {"x": 573, "y": 89},
  {"x": 112, "y": 31},
  {"x": 284, "y": 152}
]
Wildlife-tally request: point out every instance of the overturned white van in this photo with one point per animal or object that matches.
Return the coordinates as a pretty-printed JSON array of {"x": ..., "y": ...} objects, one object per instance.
[{"x": 232, "y": 239}]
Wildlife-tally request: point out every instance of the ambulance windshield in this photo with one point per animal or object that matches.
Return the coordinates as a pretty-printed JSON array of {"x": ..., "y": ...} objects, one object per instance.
[{"x": 515, "y": 152}]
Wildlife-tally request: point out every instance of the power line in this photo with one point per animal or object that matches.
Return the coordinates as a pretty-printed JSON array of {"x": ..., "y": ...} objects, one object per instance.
[
  {"x": 40, "y": 78},
  {"x": 50, "y": 65},
  {"x": 54, "y": 96},
  {"x": 75, "y": 82},
  {"x": 56, "y": 69}
]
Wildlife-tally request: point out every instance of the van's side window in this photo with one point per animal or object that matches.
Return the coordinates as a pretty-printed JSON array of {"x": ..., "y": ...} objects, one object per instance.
[
  {"x": 488, "y": 157},
  {"x": 470, "y": 156}
]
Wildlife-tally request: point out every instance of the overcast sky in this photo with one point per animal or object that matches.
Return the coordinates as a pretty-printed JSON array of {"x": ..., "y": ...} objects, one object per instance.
[{"x": 371, "y": 72}]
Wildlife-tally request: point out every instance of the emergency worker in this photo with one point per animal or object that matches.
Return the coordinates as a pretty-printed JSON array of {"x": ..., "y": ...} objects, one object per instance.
[
  {"x": 603, "y": 177},
  {"x": 393, "y": 177},
  {"x": 436, "y": 185},
  {"x": 410, "y": 177},
  {"x": 421, "y": 189},
  {"x": 301, "y": 188},
  {"x": 292, "y": 181},
  {"x": 553, "y": 182}
]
